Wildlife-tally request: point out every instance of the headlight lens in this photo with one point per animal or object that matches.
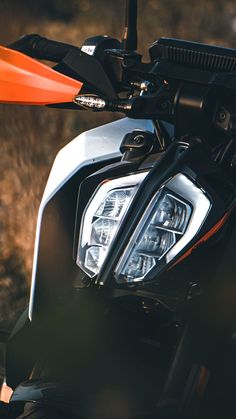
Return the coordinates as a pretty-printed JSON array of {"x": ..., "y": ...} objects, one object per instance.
[
  {"x": 171, "y": 220},
  {"x": 171, "y": 214},
  {"x": 102, "y": 218},
  {"x": 162, "y": 225}
]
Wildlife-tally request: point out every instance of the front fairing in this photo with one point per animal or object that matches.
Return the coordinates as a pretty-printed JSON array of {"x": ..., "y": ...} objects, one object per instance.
[
  {"x": 54, "y": 269},
  {"x": 53, "y": 282},
  {"x": 170, "y": 282}
]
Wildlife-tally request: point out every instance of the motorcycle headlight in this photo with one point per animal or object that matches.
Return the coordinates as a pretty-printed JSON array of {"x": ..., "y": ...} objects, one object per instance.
[
  {"x": 102, "y": 218},
  {"x": 171, "y": 220}
]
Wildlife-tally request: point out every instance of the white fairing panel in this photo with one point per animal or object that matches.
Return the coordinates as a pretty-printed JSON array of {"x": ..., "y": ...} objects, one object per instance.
[{"x": 96, "y": 145}]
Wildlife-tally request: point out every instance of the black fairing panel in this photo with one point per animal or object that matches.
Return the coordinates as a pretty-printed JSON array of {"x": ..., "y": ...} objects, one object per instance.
[{"x": 56, "y": 269}]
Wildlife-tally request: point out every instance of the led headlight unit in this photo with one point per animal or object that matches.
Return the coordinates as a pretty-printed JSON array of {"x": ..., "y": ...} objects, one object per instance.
[
  {"x": 172, "y": 219},
  {"x": 102, "y": 218}
]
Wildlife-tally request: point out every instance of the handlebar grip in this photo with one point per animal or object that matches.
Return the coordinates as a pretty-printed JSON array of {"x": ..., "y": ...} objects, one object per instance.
[{"x": 42, "y": 48}]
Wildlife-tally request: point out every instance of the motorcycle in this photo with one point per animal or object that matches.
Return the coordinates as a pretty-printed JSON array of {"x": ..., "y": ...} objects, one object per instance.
[{"x": 132, "y": 305}]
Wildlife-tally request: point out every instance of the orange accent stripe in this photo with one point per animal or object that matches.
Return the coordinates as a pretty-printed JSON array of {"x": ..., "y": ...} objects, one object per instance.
[
  {"x": 203, "y": 239},
  {"x": 203, "y": 379},
  {"x": 24, "y": 80},
  {"x": 5, "y": 393}
]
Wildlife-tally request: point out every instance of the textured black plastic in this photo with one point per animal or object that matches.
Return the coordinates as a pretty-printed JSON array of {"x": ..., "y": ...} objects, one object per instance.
[
  {"x": 37, "y": 46},
  {"x": 206, "y": 57}
]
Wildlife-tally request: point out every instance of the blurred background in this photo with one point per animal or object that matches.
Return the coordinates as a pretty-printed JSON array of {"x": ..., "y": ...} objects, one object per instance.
[{"x": 30, "y": 137}]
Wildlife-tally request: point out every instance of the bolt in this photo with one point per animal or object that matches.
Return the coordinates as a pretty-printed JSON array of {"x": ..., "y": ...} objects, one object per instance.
[
  {"x": 144, "y": 86},
  {"x": 165, "y": 105},
  {"x": 139, "y": 139},
  {"x": 222, "y": 116}
]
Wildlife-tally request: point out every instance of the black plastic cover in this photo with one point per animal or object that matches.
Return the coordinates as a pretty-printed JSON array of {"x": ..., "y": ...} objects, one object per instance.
[{"x": 194, "y": 54}]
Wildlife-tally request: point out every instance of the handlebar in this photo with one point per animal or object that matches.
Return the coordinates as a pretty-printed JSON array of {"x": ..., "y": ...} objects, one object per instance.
[
  {"x": 37, "y": 46},
  {"x": 121, "y": 71},
  {"x": 71, "y": 61}
]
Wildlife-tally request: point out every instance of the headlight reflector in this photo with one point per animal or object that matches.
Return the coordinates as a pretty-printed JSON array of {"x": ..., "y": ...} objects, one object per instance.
[
  {"x": 172, "y": 214},
  {"x": 138, "y": 266},
  {"x": 114, "y": 203},
  {"x": 172, "y": 218},
  {"x": 162, "y": 224},
  {"x": 102, "y": 218}
]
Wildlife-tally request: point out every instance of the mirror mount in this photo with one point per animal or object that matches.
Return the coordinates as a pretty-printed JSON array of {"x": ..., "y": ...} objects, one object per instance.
[{"x": 130, "y": 36}]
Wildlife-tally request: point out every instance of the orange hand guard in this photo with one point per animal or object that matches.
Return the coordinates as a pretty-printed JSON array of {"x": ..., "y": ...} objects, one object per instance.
[{"x": 26, "y": 81}]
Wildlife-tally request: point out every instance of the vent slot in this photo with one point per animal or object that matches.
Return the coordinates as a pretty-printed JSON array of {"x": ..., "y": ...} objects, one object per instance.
[{"x": 205, "y": 57}]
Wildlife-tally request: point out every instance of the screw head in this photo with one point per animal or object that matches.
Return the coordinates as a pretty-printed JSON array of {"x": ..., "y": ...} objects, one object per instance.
[
  {"x": 138, "y": 139},
  {"x": 222, "y": 116}
]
